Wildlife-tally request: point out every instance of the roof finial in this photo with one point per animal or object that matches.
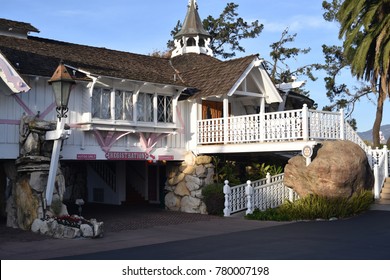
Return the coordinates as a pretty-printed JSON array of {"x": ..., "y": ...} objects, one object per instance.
[{"x": 190, "y": 2}]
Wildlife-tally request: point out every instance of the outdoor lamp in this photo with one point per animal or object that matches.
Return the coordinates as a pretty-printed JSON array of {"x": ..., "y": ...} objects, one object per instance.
[{"x": 62, "y": 83}]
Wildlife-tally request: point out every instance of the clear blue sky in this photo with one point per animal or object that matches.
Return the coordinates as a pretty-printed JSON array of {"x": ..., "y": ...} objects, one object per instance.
[{"x": 144, "y": 26}]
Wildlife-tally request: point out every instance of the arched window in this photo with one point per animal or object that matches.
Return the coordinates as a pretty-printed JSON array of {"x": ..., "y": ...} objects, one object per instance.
[
  {"x": 202, "y": 43},
  {"x": 191, "y": 42}
]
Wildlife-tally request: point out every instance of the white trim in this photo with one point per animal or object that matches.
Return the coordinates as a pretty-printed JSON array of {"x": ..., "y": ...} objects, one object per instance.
[{"x": 11, "y": 78}]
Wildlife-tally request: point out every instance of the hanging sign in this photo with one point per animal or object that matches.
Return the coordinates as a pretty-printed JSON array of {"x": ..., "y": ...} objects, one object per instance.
[
  {"x": 86, "y": 156},
  {"x": 126, "y": 156}
]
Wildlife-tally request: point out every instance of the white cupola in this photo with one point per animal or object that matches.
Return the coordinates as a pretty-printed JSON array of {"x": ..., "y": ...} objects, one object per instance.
[{"x": 192, "y": 38}]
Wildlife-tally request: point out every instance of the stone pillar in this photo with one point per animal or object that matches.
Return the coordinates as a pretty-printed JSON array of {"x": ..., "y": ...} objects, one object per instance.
[
  {"x": 185, "y": 183},
  {"x": 28, "y": 176}
]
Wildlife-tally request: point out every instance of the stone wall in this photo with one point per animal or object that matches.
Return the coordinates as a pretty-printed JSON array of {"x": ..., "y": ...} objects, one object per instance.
[{"x": 185, "y": 182}]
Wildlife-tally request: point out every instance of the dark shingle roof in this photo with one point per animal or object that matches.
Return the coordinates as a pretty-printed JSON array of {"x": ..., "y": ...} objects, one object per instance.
[
  {"x": 210, "y": 75},
  {"x": 37, "y": 56},
  {"x": 10, "y": 24}
]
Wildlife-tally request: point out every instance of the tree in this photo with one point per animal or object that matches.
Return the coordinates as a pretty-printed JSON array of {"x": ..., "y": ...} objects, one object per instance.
[
  {"x": 365, "y": 29},
  {"x": 280, "y": 54},
  {"x": 226, "y": 31}
]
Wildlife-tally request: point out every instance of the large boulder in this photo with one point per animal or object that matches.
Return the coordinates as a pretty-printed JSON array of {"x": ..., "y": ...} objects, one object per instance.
[{"x": 338, "y": 169}]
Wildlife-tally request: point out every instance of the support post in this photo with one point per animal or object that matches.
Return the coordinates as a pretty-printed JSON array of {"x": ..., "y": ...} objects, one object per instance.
[
  {"x": 305, "y": 123},
  {"x": 54, "y": 164},
  {"x": 225, "y": 120},
  {"x": 342, "y": 125},
  {"x": 227, "y": 192},
  {"x": 58, "y": 135},
  {"x": 249, "y": 197}
]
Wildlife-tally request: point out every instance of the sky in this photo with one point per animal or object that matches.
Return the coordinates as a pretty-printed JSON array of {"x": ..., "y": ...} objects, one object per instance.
[{"x": 144, "y": 26}]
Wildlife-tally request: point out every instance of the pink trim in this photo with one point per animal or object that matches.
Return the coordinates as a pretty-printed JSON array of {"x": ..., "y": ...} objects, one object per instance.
[
  {"x": 14, "y": 122},
  {"x": 23, "y": 105},
  {"x": 148, "y": 144},
  {"x": 48, "y": 110},
  {"x": 106, "y": 142}
]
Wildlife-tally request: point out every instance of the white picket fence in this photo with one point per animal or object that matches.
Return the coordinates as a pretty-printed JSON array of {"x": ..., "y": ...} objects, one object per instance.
[{"x": 269, "y": 192}]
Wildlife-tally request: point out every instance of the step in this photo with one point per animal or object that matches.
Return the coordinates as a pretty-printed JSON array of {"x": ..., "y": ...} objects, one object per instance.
[
  {"x": 383, "y": 201},
  {"x": 385, "y": 195},
  {"x": 385, "y": 190}
]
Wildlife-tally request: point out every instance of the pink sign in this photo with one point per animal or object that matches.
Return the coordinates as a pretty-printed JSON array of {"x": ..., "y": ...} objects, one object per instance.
[
  {"x": 86, "y": 156},
  {"x": 126, "y": 156},
  {"x": 166, "y": 157}
]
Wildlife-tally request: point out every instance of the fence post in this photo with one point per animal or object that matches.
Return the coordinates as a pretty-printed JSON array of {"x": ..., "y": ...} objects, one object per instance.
[
  {"x": 305, "y": 123},
  {"x": 249, "y": 197},
  {"x": 385, "y": 152},
  {"x": 290, "y": 195},
  {"x": 342, "y": 124},
  {"x": 227, "y": 192},
  {"x": 268, "y": 177},
  {"x": 376, "y": 184}
]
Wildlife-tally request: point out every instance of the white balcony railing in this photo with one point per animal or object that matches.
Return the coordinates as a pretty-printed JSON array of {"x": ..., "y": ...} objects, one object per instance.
[{"x": 303, "y": 124}]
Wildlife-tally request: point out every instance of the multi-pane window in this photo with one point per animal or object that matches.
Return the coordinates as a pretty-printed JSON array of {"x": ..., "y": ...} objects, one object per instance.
[
  {"x": 145, "y": 107},
  {"x": 164, "y": 109},
  {"x": 101, "y": 103},
  {"x": 123, "y": 105}
]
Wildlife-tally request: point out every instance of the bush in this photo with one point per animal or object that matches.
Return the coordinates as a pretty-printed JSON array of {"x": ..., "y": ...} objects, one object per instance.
[
  {"x": 317, "y": 207},
  {"x": 214, "y": 198}
]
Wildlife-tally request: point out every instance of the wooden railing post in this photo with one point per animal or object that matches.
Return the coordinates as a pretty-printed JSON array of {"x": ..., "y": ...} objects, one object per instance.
[
  {"x": 342, "y": 124},
  {"x": 305, "y": 123},
  {"x": 227, "y": 192},
  {"x": 249, "y": 196}
]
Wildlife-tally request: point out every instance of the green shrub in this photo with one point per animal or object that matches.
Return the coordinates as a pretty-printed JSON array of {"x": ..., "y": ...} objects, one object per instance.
[
  {"x": 214, "y": 198},
  {"x": 317, "y": 207}
]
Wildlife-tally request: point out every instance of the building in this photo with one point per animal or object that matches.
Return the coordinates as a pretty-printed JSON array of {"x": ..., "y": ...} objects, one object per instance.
[{"x": 134, "y": 116}]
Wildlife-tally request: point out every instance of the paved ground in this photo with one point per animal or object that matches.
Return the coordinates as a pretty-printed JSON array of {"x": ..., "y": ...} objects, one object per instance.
[{"x": 155, "y": 233}]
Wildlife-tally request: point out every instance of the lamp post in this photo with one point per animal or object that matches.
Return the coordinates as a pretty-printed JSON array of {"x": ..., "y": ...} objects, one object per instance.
[{"x": 62, "y": 83}]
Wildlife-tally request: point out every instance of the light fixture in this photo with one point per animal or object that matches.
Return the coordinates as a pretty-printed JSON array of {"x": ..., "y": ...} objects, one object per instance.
[{"x": 62, "y": 83}]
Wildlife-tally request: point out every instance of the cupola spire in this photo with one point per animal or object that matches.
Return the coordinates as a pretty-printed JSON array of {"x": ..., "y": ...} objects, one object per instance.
[{"x": 192, "y": 38}]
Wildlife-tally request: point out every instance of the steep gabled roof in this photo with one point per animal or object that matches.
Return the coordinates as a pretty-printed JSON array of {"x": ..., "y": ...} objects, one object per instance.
[{"x": 210, "y": 75}]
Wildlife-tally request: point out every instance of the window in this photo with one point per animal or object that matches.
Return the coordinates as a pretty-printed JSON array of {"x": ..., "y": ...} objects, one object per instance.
[
  {"x": 123, "y": 105},
  {"x": 145, "y": 107},
  {"x": 164, "y": 109},
  {"x": 109, "y": 104},
  {"x": 101, "y": 103}
]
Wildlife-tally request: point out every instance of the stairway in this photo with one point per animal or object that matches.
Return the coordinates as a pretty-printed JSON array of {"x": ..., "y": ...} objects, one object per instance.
[{"x": 385, "y": 193}]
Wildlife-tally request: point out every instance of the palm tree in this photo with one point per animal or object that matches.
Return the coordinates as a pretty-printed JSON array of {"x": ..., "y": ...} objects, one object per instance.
[{"x": 365, "y": 27}]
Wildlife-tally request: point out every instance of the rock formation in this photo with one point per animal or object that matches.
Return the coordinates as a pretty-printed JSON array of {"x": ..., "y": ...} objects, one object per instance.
[
  {"x": 338, "y": 169},
  {"x": 185, "y": 183}
]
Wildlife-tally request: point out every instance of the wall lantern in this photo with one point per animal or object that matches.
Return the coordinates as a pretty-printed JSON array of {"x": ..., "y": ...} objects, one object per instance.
[{"x": 62, "y": 83}]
